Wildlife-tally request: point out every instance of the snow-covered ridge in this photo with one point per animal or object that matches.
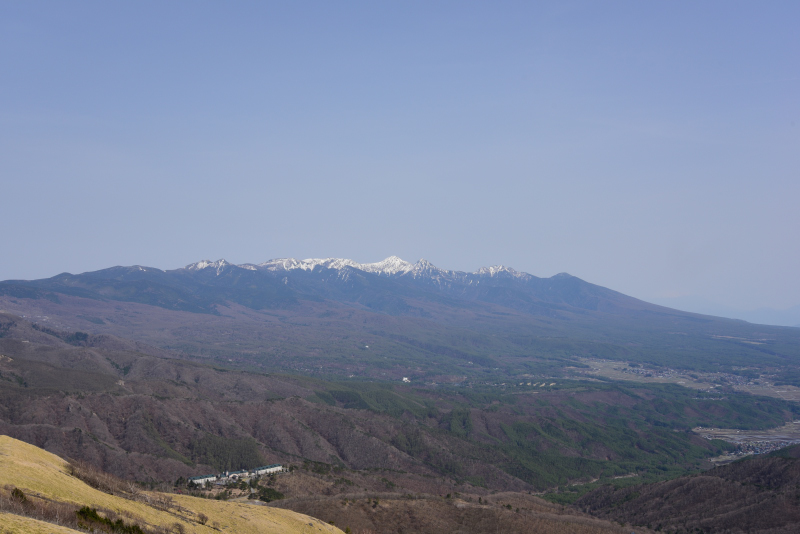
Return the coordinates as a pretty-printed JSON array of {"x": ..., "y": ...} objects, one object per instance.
[
  {"x": 498, "y": 269},
  {"x": 391, "y": 266},
  {"x": 218, "y": 265}
]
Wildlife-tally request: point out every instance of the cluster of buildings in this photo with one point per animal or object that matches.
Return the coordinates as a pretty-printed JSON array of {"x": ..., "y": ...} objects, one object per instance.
[
  {"x": 762, "y": 447},
  {"x": 648, "y": 373},
  {"x": 501, "y": 384},
  {"x": 227, "y": 477}
]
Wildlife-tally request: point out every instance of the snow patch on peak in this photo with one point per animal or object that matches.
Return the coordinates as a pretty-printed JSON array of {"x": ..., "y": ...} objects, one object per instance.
[
  {"x": 495, "y": 269},
  {"x": 425, "y": 268},
  {"x": 280, "y": 264},
  {"x": 218, "y": 265},
  {"x": 424, "y": 265},
  {"x": 391, "y": 265},
  {"x": 500, "y": 269},
  {"x": 202, "y": 264},
  {"x": 291, "y": 264}
]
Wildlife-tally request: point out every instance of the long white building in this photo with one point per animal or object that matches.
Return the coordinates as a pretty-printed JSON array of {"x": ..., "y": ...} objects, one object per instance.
[{"x": 268, "y": 469}]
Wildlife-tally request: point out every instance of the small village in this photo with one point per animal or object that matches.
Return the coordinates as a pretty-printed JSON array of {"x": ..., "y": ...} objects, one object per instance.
[
  {"x": 763, "y": 447},
  {"x": 752, "y": 442},
  {"x": 233, "y": 477}
]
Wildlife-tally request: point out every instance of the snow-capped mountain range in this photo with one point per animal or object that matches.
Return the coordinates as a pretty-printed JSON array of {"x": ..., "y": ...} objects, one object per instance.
[
  {"x": 391, "y": 286},
  {"x": 391, "y": 266}
]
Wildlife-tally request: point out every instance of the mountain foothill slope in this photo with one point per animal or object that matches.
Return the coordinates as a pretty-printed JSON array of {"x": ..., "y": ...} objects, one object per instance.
[{"x": 389, "y": 319}]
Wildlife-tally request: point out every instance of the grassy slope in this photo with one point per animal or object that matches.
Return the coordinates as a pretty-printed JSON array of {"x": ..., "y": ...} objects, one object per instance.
[
  {"x": 14, "y": 524},
  {"x": 40, "y": 473}
]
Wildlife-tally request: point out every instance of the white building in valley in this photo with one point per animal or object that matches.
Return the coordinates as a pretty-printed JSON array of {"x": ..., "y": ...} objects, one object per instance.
[
  {"x": 267, "y": 469},
  {"x": 202, "y": 479}
]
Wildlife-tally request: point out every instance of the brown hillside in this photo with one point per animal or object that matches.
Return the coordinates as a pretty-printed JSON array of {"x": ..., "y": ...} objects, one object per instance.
[
  {"x": 149, "y": 416},
  {"x": 758, "y": 495},
  {"x": 407, "y": 514},
  {"x": 136, "y": 415}
]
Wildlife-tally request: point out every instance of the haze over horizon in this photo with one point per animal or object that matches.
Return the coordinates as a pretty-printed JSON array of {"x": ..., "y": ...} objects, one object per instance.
[{"x": 650, "y": 149}]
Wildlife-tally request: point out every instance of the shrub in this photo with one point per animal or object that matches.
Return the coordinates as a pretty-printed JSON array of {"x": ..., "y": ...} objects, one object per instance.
[
  {"x": 270, "y": 494},
  {"x": 18, "y": 496},
  {"x": 91, "y": 516}
]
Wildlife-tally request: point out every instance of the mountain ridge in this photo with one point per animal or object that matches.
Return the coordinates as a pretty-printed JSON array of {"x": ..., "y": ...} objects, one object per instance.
[
  {"x": 384, "y": 286},
  {"x": 392, "y": 265},
  {"x": 287, "y": 314}
]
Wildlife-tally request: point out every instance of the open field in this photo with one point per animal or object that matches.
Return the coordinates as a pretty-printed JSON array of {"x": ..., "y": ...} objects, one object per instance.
[
  {"x": 788, "y": 432},
  {"x": 619, "y": 370},
  {"x": 785, "y": 392}
]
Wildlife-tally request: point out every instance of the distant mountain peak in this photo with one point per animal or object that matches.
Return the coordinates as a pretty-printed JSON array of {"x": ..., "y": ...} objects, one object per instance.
[
  {"x": 424, "y": 266},
  {"x": 391, "y": 265},
  {"x": 496, "y": 270},
  {"x": 218, "y": 265}
]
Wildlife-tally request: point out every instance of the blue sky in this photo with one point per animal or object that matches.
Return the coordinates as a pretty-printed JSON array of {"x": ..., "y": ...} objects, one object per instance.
[{"x": 653, "y": 148}]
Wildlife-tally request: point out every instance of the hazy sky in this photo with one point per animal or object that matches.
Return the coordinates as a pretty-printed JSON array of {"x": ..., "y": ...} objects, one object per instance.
[{"x": 650, "y": 147}]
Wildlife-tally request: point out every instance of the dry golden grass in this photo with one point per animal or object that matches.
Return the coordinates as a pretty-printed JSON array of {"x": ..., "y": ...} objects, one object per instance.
[
  {"x": 40, "y": 474},
  {"x": 14, "y": 524}
]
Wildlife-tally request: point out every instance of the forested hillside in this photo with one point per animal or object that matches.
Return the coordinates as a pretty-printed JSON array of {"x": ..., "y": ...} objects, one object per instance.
[
  {"x": 147, "y": 415},
  {"x": 753, "y": 495}
]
